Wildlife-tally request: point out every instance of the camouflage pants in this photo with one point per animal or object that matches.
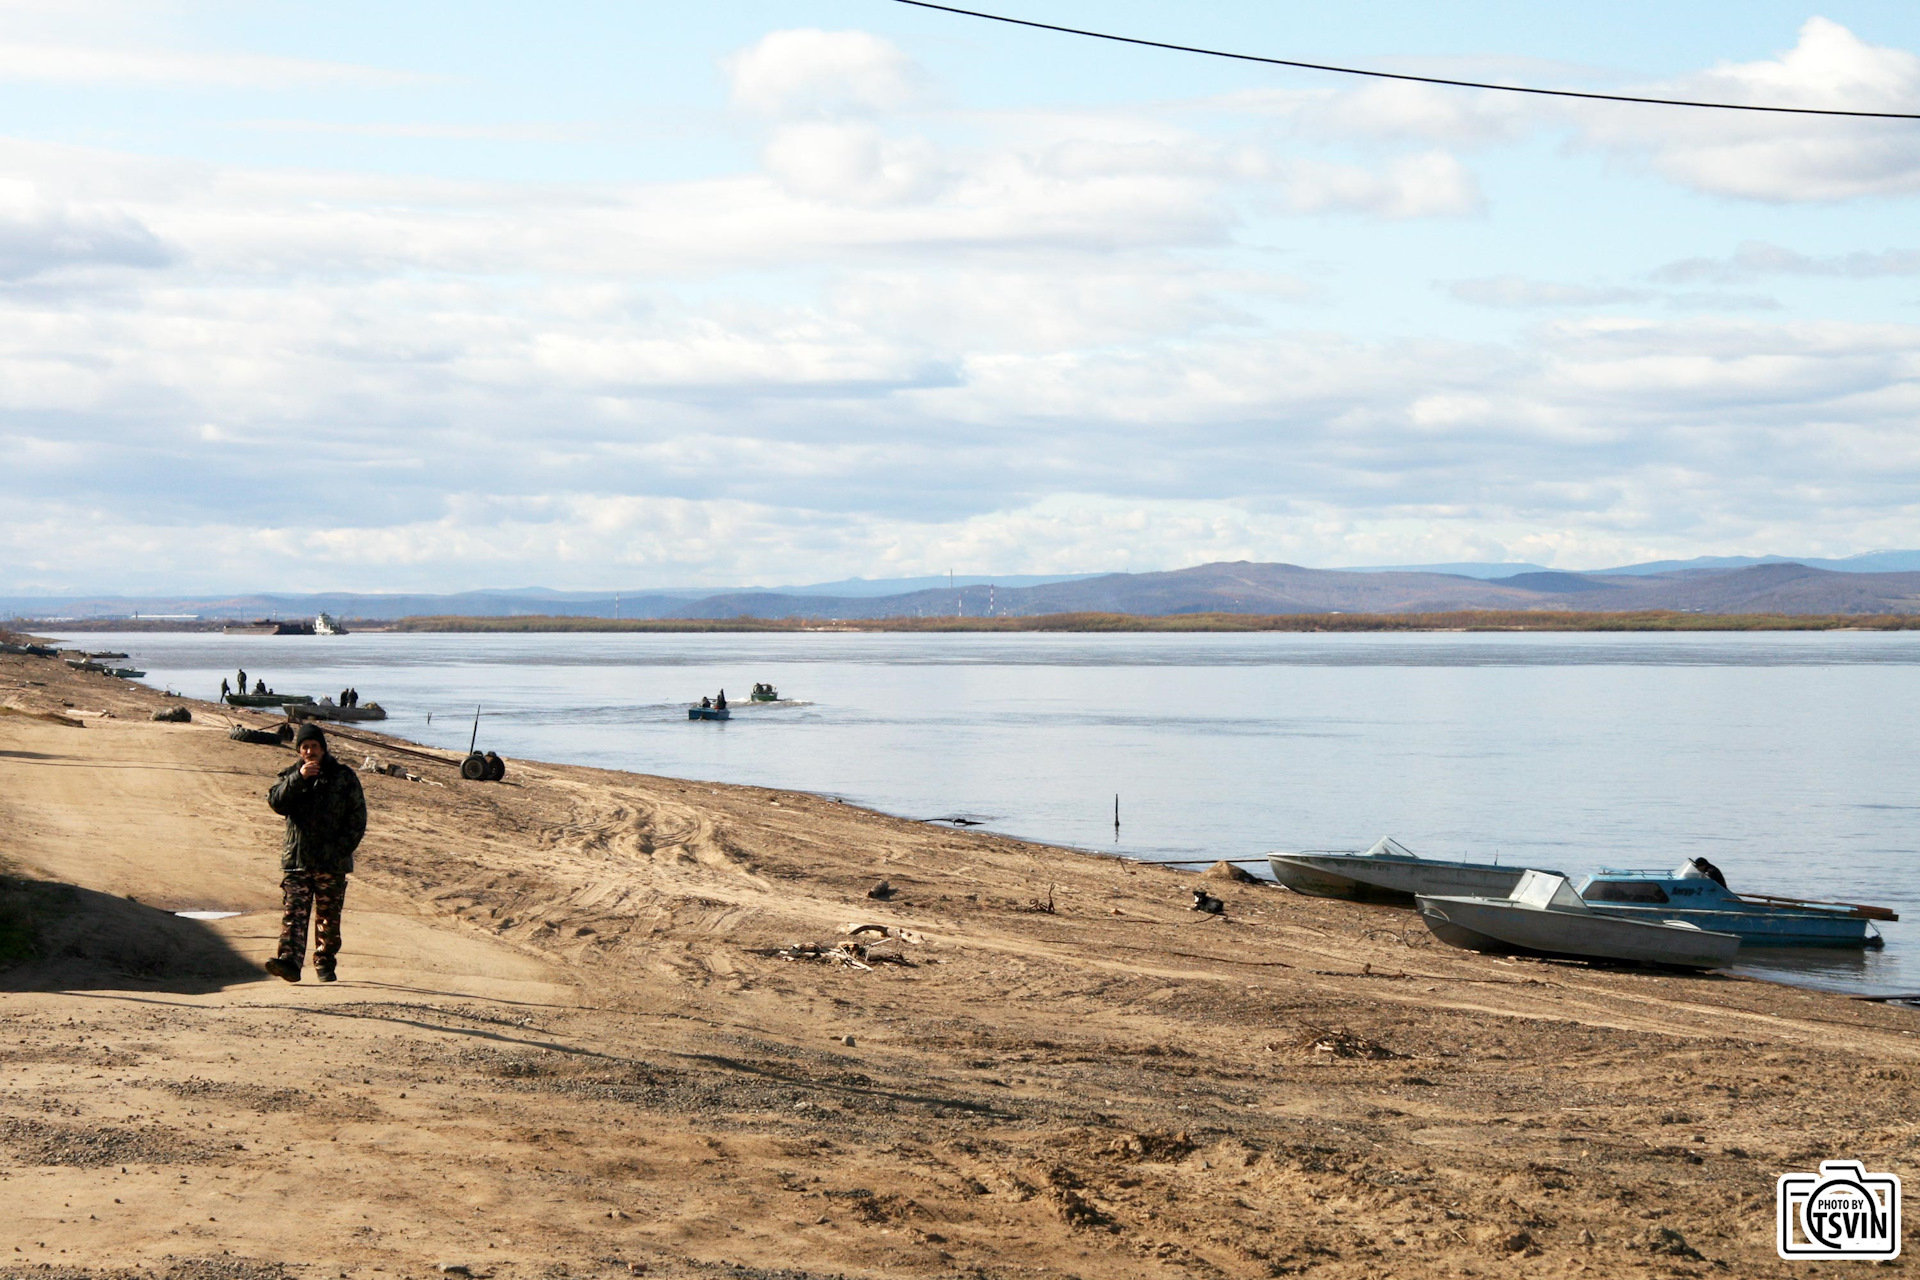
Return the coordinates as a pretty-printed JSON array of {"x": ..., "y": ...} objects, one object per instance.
[{"x": 323, "y": 893}]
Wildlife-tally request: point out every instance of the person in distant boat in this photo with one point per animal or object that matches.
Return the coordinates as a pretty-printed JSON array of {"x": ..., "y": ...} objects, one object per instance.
[
  {"x": 326, "y": 813},
  {"x": 260, "y": 688},
  {"x": 706, "y": 703},
  {"x": 343, "y": 697},
  {"x": 225, "y": 689},
  {"x": 354, "y": 697},
  {"x": 241, "y": 682},
  {"x": 720, "y": 703}
]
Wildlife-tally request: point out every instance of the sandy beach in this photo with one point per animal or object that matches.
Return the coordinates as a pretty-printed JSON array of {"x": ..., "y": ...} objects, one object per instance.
[{"x": 566, "y": 1043}]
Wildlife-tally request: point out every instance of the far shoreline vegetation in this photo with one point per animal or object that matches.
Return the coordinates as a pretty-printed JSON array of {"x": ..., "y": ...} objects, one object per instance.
[{"x": 1470, "y": 620}]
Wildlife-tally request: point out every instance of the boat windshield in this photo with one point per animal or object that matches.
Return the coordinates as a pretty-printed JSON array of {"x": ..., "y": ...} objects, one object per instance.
[
  {"x": 1388, "y": 847},
  {"x": 1547, "y": 891}
]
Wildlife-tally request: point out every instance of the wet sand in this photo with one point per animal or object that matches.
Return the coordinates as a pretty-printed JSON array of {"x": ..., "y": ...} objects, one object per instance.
[{"x": 564, "y": 1043}]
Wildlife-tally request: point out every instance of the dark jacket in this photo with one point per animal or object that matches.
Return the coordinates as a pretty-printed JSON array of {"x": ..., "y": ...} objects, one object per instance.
[{"x": 326, "y": 816}]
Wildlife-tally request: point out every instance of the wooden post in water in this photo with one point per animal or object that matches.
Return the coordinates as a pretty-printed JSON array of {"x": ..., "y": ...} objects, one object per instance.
[{"x": 1116, "y": 817}]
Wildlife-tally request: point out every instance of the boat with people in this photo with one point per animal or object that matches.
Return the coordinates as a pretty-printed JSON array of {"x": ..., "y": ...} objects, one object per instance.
[
  {"x": 765, "y": 693},
  {"x": 709, "y": 713},
  {"x": 1696, "y": 892},
  {"x": 1545, "y": 916},
  {"x": 268, "y": 699},
  {"x": 1388, "y": 872},
  {"x": 328, "y": 709}
]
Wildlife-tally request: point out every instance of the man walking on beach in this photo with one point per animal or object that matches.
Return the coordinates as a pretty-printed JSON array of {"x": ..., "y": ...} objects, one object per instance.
[{"x": 326, "y": 815}]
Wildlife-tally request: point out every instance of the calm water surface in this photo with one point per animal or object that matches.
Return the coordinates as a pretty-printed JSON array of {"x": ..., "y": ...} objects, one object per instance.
[{"x": 1792, "y": 761}]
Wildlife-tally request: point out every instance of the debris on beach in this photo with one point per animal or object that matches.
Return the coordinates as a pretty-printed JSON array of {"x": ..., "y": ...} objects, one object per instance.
[
  {"x": 857, "y": 951},
  {"x": 262, "y": 737},
  {"x": 1038, "y": 907},
  {"x": 372, "y": 764},
  {"x": 881, "y": 891},
  {"x": 1228, "y": 871},
  {"x": 1341, "y": 1043},
  {"x": 174, "y": 715}
]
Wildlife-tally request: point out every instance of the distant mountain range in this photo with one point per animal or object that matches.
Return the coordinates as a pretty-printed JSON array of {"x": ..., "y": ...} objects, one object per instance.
[{"x": 1766, "y": 585}]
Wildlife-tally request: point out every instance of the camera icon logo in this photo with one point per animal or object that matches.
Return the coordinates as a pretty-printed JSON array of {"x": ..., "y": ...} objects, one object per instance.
[{"x": 1841, "y": 1212}]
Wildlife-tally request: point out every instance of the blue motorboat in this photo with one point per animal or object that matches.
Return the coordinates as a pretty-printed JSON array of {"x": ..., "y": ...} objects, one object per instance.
[
  {"x": 1696, "y": 892},
  {"x": 709, "y": 713}
]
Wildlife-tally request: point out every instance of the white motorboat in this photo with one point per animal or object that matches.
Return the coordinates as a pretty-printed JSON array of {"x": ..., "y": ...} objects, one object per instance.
[
  {"x": 1544, "y": 916},
  {"x": 1389, "y": 872}
]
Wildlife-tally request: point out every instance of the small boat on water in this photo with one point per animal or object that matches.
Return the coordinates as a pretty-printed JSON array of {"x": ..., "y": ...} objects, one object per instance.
[
  {"x": 709, "y": 713},
  {"x": 1544, "y": 916},
  {"x": 765, "y": 693},
  {"x": 124, "y": 673},
  {"x": 265, "y": 699},
  {"x": 328, "y": 709},
  {"x": 1695, "y": 892},
  {"x": 1388, "y": 872}
]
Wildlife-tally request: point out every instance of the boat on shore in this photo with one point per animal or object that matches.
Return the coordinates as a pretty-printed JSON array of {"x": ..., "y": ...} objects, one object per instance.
[
  {"x": 1693, "y": 892},
  {"x": 265, "y": 699},
  {"x": 1544, "y": 916},
  {"x": 328, "y": 709},
  {"x": 1389, "y": 872}
]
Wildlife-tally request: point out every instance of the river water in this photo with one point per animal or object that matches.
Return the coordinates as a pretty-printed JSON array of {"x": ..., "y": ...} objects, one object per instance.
[{"x": 1791, "y": 760}]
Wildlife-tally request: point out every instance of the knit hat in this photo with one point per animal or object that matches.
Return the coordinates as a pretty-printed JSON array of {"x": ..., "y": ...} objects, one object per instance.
[{"x": 309, "y": 732}]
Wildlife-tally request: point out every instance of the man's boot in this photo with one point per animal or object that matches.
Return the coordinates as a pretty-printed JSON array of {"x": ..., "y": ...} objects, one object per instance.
[{"x": 284, "y": 969}]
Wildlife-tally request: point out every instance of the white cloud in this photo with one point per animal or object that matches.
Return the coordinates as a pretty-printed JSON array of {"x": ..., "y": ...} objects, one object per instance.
[
  {"x": 1773, "y": 157},
  {"x": 809, "y": 71},
  {"x": 1754, "y": 258},
  {"x": 1428, "y": 184},
  {"x": 1518, "y": 291},
  {"x": 38, "y": 237},
  {"x": 852, "y": 162},
  {"x": 99, "y": 65}
]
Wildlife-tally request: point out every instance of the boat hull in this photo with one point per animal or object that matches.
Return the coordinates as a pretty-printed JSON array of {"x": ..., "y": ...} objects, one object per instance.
[
  {"x": 265, "y": 699},
  {"x": 333, "y": 711},
  {"x": 1762, "y": 928},
  {"x": 1362, "y": 878},
  {"x": 1505, "y": 927},
  {"x": 709, "y": 713}
]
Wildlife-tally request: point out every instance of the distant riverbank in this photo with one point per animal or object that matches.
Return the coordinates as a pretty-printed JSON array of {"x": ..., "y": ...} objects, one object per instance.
[{"x": 1473, "y": 620}]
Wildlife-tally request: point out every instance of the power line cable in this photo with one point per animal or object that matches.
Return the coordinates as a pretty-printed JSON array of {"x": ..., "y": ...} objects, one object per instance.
[{"x": 1396, "y": 75}]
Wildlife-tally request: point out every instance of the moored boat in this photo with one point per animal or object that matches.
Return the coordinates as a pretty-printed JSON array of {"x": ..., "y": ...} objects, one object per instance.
[
  {"x": 1696, "y": 893},
  {"x": 328, "y": 709},
  {"x": 1388, "y": 872},
  {"x": 1544, "y": 916},
  {"x": 265, "y": 699}
]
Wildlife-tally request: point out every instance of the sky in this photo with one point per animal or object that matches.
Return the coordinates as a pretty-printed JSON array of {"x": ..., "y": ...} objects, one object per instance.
[{"x": 433, "y": 297}]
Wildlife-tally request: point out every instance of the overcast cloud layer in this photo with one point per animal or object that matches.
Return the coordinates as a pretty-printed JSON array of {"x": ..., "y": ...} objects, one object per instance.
[{"x": 839, "y": 311}]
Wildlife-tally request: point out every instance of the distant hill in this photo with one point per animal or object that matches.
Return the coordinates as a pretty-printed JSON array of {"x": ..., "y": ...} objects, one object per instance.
[
  {"x": 1243, "y": 587},
  {"x": 1237, "y": 587}
]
